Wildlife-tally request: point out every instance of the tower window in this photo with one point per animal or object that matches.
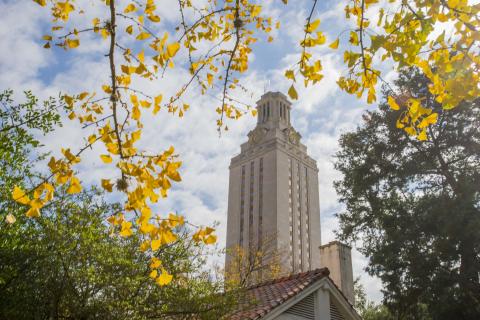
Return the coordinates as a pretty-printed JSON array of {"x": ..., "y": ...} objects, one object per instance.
[
  {"x": 242, "y": 205},
  {"x": 250, "y": 210},
  {"x": 260, "y": 203}
]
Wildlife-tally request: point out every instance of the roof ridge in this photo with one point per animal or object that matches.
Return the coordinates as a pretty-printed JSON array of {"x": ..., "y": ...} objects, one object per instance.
[{"x": 319, "y": 271}]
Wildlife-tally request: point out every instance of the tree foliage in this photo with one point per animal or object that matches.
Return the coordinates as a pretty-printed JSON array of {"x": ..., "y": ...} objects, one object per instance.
[
  {"x": 215, "y": 39},
  {"x": 439, "y": 37},
  {"x": 69, "y": 264},
  {"x": 415, "y": 205}
]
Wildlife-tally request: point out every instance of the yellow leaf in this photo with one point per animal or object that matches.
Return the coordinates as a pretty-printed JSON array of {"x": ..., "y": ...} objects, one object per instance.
[
  {"x": 256, "y": 10},
  {"x": 126, "y": 230},
  {"x": 92, "y": 138},
  {"x": 20, "y": 196},
  {"x": 130, "y": 8},
  {"x": 107, "y": 185},
  {"x": 334, "y": 44},
  {"x": 136, "y": 113},
  {"x": 293, "y": 93},
  {"x": 153, "y": 274},
  {"x": 164, "y": 278},
  {"x": 211, "y": 239},
  {"x": 172, "y": 49},
  {"x": 106, "y": 88},
  {"x": 154, "y": 18},
  {"x": 10, "y": 218},
  {"x": 210, "y": 78},
  {"x": 141, "y": 56},
  {"x": 312, "y": 26},
  {"x": 129, "y": 29},
  {"x": 72, "y": 43},
  {"x": 290, "y": 75},
  {"x": 33, "y": 212},
  {"x": 43, "y": 3},
  {"x": 431, "y": 119},
  {"x": 104, "y": 33},
  {"x": 75, "y": 186},
  {"x": 47, "y": 38},
  {"x": 423, "y": 135},
  {"x": 144, "y": 246},
  {"x": 156, "y": 244},
  {"x": 392, "y": 103},
  {"x": 145, "y": 103},
  {"x": 156, "y": 263},
  {"x": 143, "y": 36},
  {"x": 106, "y": 158}
]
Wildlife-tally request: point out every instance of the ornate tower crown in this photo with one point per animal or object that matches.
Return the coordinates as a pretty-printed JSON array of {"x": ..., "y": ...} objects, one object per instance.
[{"x": 273, "y": 110}]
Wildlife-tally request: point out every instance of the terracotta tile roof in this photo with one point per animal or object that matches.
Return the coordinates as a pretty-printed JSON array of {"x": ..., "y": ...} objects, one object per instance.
[{"x": 263, "y": 298}]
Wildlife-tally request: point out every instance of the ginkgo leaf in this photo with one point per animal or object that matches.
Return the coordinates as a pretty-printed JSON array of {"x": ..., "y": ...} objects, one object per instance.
[
  {"x": 154, "y": 18},
  {"x": 209, "y": 79},
  {"x": 130, "y": 8},
  {"x": 129, "y": 29},
  {"x": 392, "y": 103},
  {"x": 72, "y": 43},
  {"x": 10, "y": 218},
  {"x": 107, "y": 185},
  {"x": 33, "y": 212},
  {"x": 106, "y": 158},
  {"x": 312, "y": 26},
  {"x": 293, "y": 93},
  {"x": 172, "y": 49},
  {"x": 423, "y": 135},
  {"x": 143, "y": 36},
  {"x": 158, "y": 99},
  {"x": 20, "y": 196},
  {"x": 156, "y": 263},
  {"x": 126, "y": 230},
  {"x": 75, "y": 186},
  {"x": 290, "y": 75},
  {"x": 211, "y": 239},
  {"x": 155, "y": 244},
  {"x": 107, "y": 88},
  {"x": 334, "y": 44},
  {"x": 164, "y": 278},
  {"x": 43, "y": 3},
  {"x": 153, "y": 274}
]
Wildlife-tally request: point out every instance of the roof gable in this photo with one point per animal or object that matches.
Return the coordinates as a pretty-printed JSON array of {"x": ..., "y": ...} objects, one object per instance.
[{"x": 291, "y": 295}]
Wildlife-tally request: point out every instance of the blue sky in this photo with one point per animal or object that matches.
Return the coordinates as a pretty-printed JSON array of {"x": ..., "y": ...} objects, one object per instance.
[{"x": 322, "y": 113}]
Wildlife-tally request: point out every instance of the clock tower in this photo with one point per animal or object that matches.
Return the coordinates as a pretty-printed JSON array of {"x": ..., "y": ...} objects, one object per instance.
[{"x": 273, "y": 190}]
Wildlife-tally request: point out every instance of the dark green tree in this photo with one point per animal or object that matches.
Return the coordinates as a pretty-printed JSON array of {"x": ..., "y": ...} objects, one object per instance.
[{"x": 415, "y": 205}]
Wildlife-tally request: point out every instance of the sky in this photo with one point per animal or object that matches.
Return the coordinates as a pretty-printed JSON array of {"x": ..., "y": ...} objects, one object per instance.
[{"x": 322, "y": 113}]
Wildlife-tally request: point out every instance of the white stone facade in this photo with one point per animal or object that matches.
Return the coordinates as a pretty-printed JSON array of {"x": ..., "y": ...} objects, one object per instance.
[{"x": 273, "y": 189}]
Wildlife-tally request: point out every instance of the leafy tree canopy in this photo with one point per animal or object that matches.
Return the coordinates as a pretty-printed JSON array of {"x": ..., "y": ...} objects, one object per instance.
[
  {"x": 69, "y": 264},
  {"x": 415, "y": 206}
]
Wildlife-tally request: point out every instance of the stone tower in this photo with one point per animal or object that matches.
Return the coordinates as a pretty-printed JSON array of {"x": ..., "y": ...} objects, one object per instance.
[
  {"x": 337, "y": 257},
  {"x": 273, "y": 190}
]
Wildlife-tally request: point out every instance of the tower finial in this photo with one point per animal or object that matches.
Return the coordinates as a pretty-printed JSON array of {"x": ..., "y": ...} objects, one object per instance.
[{"x": 266, "y": 85}]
